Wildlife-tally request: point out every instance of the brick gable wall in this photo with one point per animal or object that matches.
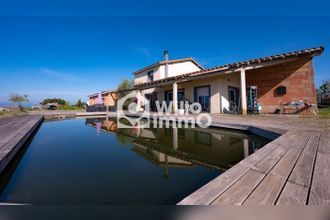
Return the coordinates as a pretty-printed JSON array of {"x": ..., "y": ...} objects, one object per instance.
[{"x": 297, "y": 76}]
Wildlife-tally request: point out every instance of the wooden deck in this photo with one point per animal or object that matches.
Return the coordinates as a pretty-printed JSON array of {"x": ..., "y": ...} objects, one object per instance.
[
  {"x": 292, "y": 169},
  {"x": 14, "y": 131}
]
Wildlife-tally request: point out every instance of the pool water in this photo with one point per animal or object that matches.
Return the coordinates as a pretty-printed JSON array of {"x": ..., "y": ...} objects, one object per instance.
[{"x": 91, "y": 161}]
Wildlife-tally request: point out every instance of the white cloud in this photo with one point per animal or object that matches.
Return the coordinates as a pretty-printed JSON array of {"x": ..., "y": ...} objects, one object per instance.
[{"x": 57, "y": 74}]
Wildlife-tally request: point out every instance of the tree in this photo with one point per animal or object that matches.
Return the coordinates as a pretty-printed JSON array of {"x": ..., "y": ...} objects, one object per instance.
[
  {"x": 80, "y": 103},
  {"x": 324, "y": 89},
  {"x": 53, "y": 100},
  {"x": 67, "y": 103},
  {"x": 19, "y": 99},
  {"x": 124, "y": 86}
]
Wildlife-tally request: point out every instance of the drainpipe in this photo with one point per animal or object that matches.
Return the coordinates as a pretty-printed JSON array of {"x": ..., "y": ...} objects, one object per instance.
[{"x": 166, "y": 62}]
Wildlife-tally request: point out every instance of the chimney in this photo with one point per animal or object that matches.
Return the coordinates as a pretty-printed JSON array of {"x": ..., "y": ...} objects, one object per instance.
[{"x": 166, "y": 62}]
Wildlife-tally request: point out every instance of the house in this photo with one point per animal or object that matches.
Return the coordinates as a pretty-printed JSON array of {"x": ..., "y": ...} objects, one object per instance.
[
  {"x": 105, "y": 98},
  {"x": 270, "y": 82}
]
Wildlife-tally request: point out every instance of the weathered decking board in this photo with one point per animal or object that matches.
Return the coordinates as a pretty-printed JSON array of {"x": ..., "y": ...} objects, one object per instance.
[
  {"x": 320, "y": 189},
  {"x": 14, "y": 131},
  {"x": 293, "y": 169}
]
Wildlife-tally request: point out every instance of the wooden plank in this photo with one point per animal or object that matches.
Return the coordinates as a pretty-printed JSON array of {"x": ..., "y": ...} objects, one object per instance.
[
  {"x": 256, "y": 157},
  {"x": 320, "y": 190},
  {"x": 237, "y": 193},
  {"x": 324, "y": 143},
  {"x": 284, "y": 138},
  {"x": 267, "y": 192},
  {"x": 293, "y": 194},
  {"x": 14, "y": 126},
  {"x": 269, "y": 189},
  {"x": 296, "y": 189},
  {"x": 266, "y": 164},
  {"x": 209, "y": 192},
  {"x": 302, "y": 172},
  {"x": 299, "y": 140}
]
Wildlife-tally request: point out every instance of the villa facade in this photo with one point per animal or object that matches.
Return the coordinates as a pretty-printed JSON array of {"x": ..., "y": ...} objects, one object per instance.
[
  {"x": 276, "y": 81},
  {"x": 279, "y": 80}
]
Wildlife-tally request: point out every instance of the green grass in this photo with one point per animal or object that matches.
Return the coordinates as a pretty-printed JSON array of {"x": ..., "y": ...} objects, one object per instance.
[{"x": 324, "y": 112}]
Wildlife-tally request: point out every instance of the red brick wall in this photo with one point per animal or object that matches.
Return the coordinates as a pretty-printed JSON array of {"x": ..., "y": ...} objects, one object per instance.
[{"x": 297, "y": 76}]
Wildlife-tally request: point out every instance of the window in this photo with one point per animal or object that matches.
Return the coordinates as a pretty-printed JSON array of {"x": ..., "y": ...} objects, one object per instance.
[
  {"x": 280, "y": 91},
  {"x": 151, "y": 75},
  {"x": 169, "y": 95}
]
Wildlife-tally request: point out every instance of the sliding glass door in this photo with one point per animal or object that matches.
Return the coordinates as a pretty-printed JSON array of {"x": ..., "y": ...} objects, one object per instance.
[{"x": 202, "y": 95}]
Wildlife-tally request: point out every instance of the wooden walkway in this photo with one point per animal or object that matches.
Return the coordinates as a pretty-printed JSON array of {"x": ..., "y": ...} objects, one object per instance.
[
  {"x": 292, "y": 169},
  {"x": 14, "y": 131}
]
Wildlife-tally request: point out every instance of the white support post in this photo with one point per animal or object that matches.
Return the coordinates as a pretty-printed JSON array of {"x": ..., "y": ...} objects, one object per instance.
[
  {"x": 175, "y": 97},
  {"x": 243, "y": 92},
  {"x": 175, "y": 138}
]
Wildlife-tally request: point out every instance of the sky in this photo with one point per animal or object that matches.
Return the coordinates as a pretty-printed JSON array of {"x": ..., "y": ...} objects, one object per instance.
[{"x": 70, "y": 57}]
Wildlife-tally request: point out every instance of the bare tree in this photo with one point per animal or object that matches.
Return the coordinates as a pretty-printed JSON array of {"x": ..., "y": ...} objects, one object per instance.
[{"x": 19, "y": 99}]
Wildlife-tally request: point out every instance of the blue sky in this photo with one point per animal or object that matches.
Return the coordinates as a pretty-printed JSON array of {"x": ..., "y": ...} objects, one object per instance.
[
  {"x": 167, "y": 7},
  {"x": 71, "y": 57}
]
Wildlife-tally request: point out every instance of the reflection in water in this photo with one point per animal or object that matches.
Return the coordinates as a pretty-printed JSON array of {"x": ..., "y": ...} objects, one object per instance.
[{"x": 219, "y": 149}]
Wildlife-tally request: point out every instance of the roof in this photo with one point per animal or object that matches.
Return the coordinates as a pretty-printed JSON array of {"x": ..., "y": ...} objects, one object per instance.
[
  {"x": 169, "y": 62},
  {"x": 295, "y": 54},
  {"x": 103, "y": 92}
]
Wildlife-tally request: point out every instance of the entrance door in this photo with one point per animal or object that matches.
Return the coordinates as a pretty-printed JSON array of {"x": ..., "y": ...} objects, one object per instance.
[
  {"x": 152, "y": 97},
  {"x": 202, "y": 95},
  {"x": 233, "y": 98}
]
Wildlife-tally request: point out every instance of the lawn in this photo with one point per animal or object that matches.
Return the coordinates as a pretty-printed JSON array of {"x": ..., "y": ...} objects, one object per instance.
[{"x": 324, "y": 112}]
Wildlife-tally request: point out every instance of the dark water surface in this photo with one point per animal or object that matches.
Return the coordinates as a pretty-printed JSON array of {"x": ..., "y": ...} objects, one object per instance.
[{"x": 93, "y": 162}]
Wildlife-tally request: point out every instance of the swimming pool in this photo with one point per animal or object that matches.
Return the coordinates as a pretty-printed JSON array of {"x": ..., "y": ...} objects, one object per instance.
[{"x": 91, "y": 161}]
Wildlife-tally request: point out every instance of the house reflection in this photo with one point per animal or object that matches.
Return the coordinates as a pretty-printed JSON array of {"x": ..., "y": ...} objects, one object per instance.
[{"x": 185, "y": 147}]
